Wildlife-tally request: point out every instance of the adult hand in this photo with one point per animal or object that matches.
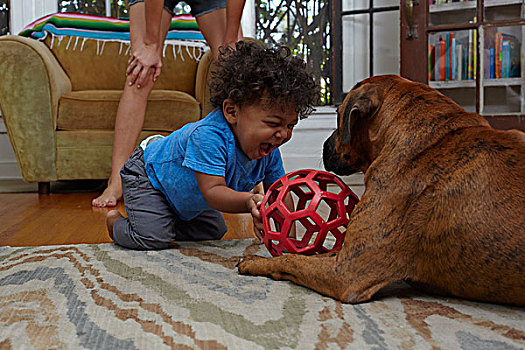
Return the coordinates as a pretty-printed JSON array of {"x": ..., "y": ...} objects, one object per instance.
[
  {"x": 253, "y": 204},
  {"x": 141, "y": 62}
]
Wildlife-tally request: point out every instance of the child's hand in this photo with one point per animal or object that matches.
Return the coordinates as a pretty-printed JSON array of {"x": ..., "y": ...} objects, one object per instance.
[
  {"x": 259, "y": 188},
  {"x": 253, "y": 204}
]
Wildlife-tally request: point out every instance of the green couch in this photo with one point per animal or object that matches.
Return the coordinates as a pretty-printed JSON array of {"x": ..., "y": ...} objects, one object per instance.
[{"x": 59, "y": 100}]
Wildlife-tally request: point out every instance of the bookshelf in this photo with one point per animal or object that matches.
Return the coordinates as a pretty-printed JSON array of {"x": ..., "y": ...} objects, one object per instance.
[{"x": 471, "y": 51}]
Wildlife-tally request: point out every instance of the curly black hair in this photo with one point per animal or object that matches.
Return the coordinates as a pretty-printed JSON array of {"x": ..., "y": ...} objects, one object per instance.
[{"x": 252, "y": 73}]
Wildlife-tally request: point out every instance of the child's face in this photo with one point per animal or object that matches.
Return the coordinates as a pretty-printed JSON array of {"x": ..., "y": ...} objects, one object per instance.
[{"x": 260, "y": 129}]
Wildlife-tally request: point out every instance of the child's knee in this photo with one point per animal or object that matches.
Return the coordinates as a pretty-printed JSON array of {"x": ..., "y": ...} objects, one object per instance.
[
  {"x": 125, "y": 236},
  {"x": 221, "y": 229}
]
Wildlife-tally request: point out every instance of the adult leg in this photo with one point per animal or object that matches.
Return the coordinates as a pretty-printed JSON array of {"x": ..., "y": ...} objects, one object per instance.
[
  {"x": 131, "y": 110},
  {"x": 213, "y": 27},
  {"x": 218, "y": 21}
]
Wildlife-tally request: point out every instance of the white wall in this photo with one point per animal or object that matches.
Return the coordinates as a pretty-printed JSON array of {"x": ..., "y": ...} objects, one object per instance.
[{"x": 305, "y": 148}]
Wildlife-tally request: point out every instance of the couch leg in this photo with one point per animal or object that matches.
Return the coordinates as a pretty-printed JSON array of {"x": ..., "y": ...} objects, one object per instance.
[{"x": 44, "y": 188}]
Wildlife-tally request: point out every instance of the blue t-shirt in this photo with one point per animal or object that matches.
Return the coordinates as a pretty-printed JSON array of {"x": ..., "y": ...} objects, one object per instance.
[{"x": 207, "y": 146}]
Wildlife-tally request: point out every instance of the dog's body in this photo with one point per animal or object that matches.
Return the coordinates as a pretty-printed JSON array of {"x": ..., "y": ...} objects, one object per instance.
[{"x": 444, "y": 205}]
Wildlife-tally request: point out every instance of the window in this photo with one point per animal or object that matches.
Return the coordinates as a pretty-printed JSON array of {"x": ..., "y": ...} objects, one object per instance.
[
  {"x": 371, "y": 39},
  {"x": 343, "y": 41},
  {"x": 4, "y": 17},
  {"x": 303, "y": 26}
]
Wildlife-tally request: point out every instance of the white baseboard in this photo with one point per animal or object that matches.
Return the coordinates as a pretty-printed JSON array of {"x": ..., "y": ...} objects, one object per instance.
[
  {"x": 12, "y": 186},
  {"x": 9, "y": 169}
]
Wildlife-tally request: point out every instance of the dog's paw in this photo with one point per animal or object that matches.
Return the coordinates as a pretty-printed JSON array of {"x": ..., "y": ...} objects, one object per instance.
[{"x": 249, "y": 265}]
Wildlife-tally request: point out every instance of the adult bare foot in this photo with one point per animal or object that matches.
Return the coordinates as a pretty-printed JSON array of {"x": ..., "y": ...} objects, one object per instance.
[
  {"x": 110, "y": 197},
  {"x": 111, "y": 217}
]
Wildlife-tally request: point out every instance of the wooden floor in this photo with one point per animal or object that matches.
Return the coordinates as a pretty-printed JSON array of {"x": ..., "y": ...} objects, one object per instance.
[{"x": 30, "y": 219}]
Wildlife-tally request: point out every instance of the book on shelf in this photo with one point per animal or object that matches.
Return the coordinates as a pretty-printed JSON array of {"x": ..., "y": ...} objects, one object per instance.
[
  {"x": 460, "y": 64},
  {"x": 504, "y": 59},
  {"x": 431, "y": 60},
  {"x": 442, "y": 54},
  {"x": 492, "y": 57},
  {"x": 514, "y": 55},
  {"x": 448, "y": 58},
  {"x": 499, "y": 57},
  {"x": 453, "y": 59},
  {"x": 453, "y": 56},
  {"x": 449, "y": 54},
  {"x": 470, "y": 56},
  {"x": 475, "y": 51}
]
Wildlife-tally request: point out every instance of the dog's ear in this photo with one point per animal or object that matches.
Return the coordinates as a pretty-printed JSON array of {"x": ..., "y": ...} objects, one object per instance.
[
  {"x": 362, "y": 108},
  {"x": 345, "y": 127}
]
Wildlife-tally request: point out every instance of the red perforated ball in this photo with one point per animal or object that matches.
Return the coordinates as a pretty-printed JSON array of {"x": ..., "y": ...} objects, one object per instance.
[{"x": 322, "y": 204}]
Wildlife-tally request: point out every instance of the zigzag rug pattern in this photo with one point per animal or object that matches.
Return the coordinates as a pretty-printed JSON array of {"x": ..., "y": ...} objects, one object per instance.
[{"x": 106, "y": 297}]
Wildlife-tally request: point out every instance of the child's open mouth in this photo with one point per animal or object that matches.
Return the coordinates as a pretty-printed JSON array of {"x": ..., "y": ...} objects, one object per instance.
[{"x": 265, "y": 149}]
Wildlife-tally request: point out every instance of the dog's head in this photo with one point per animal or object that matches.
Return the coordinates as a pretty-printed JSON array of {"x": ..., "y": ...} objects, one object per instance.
[{"x": 349, "y": 148}]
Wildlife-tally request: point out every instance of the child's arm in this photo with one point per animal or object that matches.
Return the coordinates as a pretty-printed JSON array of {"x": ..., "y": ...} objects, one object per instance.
[{"x": 220, "y": 197}]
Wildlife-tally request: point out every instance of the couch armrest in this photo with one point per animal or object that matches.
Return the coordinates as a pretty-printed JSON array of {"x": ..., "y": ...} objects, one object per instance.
[
  {"x": 202, "y": 87},
  {"x": 31, "y": 85}
]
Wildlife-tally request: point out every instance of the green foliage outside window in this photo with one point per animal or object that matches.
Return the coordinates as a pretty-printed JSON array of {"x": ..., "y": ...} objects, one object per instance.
[
  {"x": 88, "y": 7},
  {"x": 4, "y": 17},
  {"x": 303, "y": 26},
  {"x": 119, "y": 8}
]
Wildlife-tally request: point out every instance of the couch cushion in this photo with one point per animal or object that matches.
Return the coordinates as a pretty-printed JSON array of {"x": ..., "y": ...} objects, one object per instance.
[
  {"x": 101, "y": 65},
  {"x": 97, "y": 109},
  {"x": 86, "y": 154}
]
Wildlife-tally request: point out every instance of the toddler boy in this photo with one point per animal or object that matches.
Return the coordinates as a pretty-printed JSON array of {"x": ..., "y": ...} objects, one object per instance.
[{"x": 175, "y": 187}]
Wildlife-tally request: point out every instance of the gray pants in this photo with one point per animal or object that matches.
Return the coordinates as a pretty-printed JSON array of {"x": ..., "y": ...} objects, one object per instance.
[{"x": 151, "y": 223}]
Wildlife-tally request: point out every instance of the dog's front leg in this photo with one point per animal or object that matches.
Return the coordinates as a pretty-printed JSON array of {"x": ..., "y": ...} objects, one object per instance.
[
  {"x": 313, "y": 272},
  {"x": 326, "y": 274}
]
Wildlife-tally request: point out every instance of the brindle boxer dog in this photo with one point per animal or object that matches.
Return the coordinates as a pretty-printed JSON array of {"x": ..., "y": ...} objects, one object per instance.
[{"x": 444, "y": 205}]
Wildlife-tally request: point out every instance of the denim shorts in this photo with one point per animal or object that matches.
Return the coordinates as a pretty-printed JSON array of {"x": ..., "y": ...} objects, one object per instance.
[{"x": 198, "y": 7}]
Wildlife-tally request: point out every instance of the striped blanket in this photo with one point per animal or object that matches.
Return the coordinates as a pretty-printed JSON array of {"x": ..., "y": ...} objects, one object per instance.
[{"x": 182, "y": 28}]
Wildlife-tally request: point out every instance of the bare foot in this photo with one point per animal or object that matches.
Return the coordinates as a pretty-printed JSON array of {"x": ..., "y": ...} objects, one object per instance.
[
  {"x": 110, "y": 197},
  {"x": 111, "y": 217}
]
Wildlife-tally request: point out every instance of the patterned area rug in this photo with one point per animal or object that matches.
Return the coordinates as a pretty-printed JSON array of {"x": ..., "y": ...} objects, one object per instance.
[{"x": 106, "y": 297}]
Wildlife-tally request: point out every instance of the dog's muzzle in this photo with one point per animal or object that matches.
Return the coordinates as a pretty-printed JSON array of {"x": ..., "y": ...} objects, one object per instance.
[{"x": 330, "y": 158}]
